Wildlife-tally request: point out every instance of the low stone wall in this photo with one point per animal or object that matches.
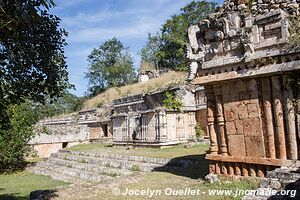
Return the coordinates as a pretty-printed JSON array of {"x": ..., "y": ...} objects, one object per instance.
[
  {"x": 46, "y": 149},
  {"x": 56, "y": 134}
]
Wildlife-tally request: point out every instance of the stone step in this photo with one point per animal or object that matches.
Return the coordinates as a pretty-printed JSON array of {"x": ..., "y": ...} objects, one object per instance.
[
  {"x": 73, "y": 172},
  {"x": 55, "y": 175},
  {"x": 113, "y": 163},
  {"x": 184, "y": 163},
  {"x": 89, "y": 167}
]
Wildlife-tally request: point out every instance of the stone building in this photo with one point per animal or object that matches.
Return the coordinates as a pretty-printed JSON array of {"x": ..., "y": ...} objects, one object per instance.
[
  {"x": 143, "y": 119},
  {"x": 200, "y": 101},
  {"x": 98, "y": 123},
  {"x": 86, "y": 126},
  {"x": 139, "y": 119},
  {"x": 54, "y": 134},
  {"x": 243, "y": 57}
]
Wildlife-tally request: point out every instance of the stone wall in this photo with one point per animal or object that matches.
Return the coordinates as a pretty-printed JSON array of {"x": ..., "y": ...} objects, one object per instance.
[
  {"x": 242, "y": 57},
  {"x": 58, "y": 133},
  {"x": 143, "y": 120}
]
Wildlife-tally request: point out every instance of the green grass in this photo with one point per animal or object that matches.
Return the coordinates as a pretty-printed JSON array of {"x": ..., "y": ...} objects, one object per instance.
[
  {"x": 136, "y": 168},
  {"x": 170, "y": 152},
  {"x": 163, "y": 180},
  {"x": 18, "y": 186}
]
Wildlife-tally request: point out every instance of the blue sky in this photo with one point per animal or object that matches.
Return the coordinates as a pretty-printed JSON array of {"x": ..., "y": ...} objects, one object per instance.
[{"x": 91, "y": 22}]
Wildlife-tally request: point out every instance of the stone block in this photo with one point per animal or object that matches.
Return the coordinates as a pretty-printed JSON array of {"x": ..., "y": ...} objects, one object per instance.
[
  {"x": 252, "y": 127},
  {"x": 253, "y": 110},
  {"x": 239, "y": 127},
  {"x": 229, "y": 115},
  {"x": 275, "y": 184},
  {"x": 230, "y": 128},
  {"x": 236, "y": 145},
  {"x": 264, "y": 183},
  {"x": 243, "y": 111},
  {"x": 254, "y": 146}
]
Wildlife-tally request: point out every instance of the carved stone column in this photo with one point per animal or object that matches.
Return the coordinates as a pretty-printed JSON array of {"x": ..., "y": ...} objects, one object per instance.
[
  {"x": 220, "y": 119},
  {"x": 290, "y": 121},
  {"x": 267, "y": 106},
  {"x": 278, "y": 114},
  {"x": 211, "y": 120},
  {"x": 163, "y": 125},
  {"x": 298, "y": 120}
]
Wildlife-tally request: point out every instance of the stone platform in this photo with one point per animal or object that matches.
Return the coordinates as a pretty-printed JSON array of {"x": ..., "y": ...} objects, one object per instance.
[{"x": 80, "y": 167}]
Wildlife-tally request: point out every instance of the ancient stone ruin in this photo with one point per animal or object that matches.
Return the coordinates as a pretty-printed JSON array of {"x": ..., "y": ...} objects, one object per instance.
[
  {"x": 143, "y": 119},
  {"x": 243, "y": 57},
  {"x": 133, "y": 120}
]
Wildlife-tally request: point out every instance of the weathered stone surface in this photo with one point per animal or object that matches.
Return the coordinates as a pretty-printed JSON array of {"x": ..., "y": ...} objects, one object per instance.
[
  {"x": 212, "y": 178},
  {"x": 236, "y": 145},
  {"x": 254, "y": 146},
  {"x": 252, "y": 127}
]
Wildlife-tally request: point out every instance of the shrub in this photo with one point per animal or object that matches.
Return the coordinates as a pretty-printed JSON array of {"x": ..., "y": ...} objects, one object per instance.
[
  {"x": 172, "y": 102},
  {"x": 15, "y": 135},
  {"x": 198, "y": 130},
  {"x": 136, "y": 168}
]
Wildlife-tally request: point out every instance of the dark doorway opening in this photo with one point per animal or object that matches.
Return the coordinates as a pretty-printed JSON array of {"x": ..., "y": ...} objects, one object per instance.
[
  {"x": 105, "y": 131},
  {"x": 64, "y": 145}
]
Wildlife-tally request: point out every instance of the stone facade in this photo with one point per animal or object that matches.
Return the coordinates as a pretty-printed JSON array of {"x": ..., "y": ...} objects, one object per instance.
[
  {"x": 143, "y": 120},
  {"x": 242, "y": 57},
  {"x": 52, "y": 135},
  {"x": 139, "y": 119}
]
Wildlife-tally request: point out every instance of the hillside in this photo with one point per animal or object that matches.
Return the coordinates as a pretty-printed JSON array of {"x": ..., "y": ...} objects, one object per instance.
[{"x": 164, "y": 81}]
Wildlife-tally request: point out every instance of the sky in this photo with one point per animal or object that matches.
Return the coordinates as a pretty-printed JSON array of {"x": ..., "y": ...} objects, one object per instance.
[{"x": 92, "y": 22}]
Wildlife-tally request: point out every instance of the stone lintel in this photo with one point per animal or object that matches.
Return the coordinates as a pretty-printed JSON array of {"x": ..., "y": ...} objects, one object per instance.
[
  {"x": 247, "y": 160},
  {"x": 247, "y": 73}
]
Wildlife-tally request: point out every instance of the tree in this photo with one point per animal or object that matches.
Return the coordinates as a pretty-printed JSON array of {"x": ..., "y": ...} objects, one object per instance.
[
  {"x": 110, "y": 66},
  {"x": 170, "y": 49},
  {"x": 13, "y": 141},
  {"x": 68, "y": 103},
  {"x": 32, "y": 67},
  {"x": 149, "y": 53},
  {"x": 32, "y": 62}
]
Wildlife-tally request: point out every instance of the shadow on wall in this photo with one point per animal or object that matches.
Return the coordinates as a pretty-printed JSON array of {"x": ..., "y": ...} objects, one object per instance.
[{"x": 191, "y": 166}]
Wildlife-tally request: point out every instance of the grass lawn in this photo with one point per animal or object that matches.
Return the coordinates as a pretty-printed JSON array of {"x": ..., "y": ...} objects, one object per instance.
[
  {"x": 162, "y": 180},
  {"x": 17, "y": 186},
  {"x": 169, "y": 152}
]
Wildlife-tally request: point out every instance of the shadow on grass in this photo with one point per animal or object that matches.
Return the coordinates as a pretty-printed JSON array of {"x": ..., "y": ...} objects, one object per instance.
[
  {"x": 37, "y": 194},
  {"x": 191, "y": 166},
  {"x": 12, "y": 196}
]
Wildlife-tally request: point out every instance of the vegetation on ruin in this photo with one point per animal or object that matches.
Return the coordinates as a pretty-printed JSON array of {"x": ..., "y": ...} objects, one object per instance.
[
  {"x": 32, "y": 68},
  {"x": 294, "y": 30},
  {"x": 19, "y": 185},
  {"x": 167, "y": 48},
  {"x": 172, "y": 102},
  {"x": 110, "y": 65},
  {"x": 199, "y": 131},
  {"x": 162, "y": 82}
]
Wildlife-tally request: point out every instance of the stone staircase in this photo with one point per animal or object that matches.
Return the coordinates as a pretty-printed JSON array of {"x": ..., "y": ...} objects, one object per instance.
[{"x": 80, "y": 167}]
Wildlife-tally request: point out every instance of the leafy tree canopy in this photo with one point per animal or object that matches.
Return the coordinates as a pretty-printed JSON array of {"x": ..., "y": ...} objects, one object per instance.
[
  {"x": 167, "y": 48},
  {"x": 32, "y": 62},
  {"x": 32, "y": 69},
  {"x": 110, "y": 66}
]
